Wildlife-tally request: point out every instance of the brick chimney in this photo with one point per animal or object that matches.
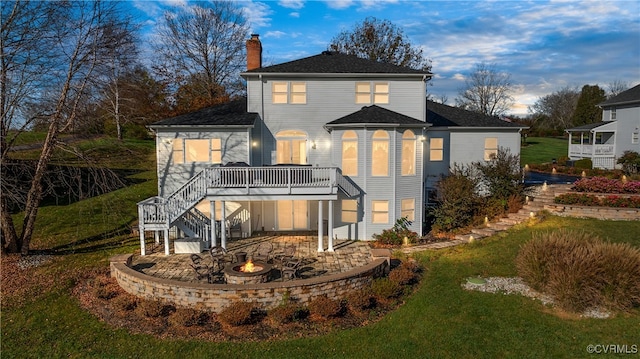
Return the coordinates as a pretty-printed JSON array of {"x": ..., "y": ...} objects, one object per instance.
[{"x": 254, "y": 52}]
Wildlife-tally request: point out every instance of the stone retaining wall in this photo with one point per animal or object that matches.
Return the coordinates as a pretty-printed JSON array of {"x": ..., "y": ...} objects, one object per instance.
[
  {"x": 215, "y": 297},
  {"x": 621, "y": 214}
]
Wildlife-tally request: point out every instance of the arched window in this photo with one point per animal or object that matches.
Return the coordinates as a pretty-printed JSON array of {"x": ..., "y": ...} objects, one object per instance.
[
  {"x": 408, "y": 153},
  {"x": 291, "y": 147},
  {"x": 350, "y": 153},
  {"x": 380, "y": 153}
]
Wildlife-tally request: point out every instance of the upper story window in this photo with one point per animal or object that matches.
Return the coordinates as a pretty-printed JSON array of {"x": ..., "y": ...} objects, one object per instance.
[
  {"x": 372, "y": 92},
  {"x": 380, "y": 153},
  {"x": 613, "y": 113},
  {"x": 436, "y": 149},
  {"x": 408, "y": 153},
  {"x": 350, "y": 153},
  {"x": 289, "y": 92},
  {"x": 191, "y": 150},
  {"x": 490, "y": 148}
]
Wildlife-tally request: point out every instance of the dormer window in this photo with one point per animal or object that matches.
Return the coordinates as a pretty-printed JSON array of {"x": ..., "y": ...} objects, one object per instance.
[
  {"x": 372, "y": 92},
  {"x": 283, "y": 92}
]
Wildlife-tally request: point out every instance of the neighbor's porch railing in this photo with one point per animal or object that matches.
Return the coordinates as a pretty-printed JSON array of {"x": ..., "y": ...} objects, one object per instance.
[{"x": 591, "y": 150}]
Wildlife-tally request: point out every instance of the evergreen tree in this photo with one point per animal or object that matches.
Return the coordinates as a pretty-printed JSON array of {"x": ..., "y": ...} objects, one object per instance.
[{"x": 587, "y": 110}]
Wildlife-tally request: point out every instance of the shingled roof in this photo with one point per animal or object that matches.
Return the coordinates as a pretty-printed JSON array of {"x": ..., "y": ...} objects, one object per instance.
[
  {"x": 587, "y": 127},
  {"x": 630, "y": 96},
  {"x": 440, "y": 115},
  {"x": 376, "y": 115},
  {"x": 329, "y": 62},
  {"x": 231, "y": 114}
]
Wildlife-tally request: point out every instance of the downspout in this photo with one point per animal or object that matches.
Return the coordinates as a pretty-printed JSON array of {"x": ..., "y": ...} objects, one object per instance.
[{"x": 262, "y": 120}]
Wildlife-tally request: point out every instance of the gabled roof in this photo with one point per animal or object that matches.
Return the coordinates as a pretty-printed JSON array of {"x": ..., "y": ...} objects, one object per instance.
[
  {"x": 632, "y": 95},
  {"x": 376, "y": 116},
  {"x": 440, "y": 115},
  {"x": 329, "y": 62},
  {"x": 589, "y": 126},
  {"x": 231, "y": 114}
]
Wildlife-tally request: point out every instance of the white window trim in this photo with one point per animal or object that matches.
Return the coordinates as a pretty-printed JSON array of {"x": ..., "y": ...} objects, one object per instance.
[
  {"x": 374, "y": 212},
  {"x": 439, "y": 149},
  {"x": 371, "y": 92},
  {"x": 488, "y": 151},
  {"x": 288, "y": 93}
]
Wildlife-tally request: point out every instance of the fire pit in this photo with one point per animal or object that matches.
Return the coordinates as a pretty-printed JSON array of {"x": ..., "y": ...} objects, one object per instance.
[{"x": 247, "y": 272}]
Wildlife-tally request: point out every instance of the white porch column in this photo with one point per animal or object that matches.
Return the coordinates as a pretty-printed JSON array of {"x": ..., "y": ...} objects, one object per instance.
[
  {"x": 214, "y": 235},
  {"x": 320, "y": 228},
  {"x": 330, "y": 229},
  {"x": 156, "y": 236},
  {"x": 166, "y": 241},
  {"x": 143, "y": 247},
  {"x": 223, "y": 226}
]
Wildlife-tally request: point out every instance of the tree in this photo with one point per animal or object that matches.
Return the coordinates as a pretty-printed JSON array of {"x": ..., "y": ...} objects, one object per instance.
[
  {"x": 615, "y": 87},
  {"x": 486, "y": 91},
  {"x": 587, "y": 110},
  {"x": 203, "y": 46},
  {"x": 556, "y": 108},
  {"x": 380, "y": 40},
  {"x": 53, "y": 63}
]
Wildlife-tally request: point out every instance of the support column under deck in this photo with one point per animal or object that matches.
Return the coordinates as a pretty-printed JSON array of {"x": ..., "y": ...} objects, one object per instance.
[
  {"x": 143, "y": 247},
  {"x": 166, "y": 241},
  {"x": 214, "y": 235},
  {"x": 223, "y": 226},
  {"x": 320, "y": 228},
  {"x": 330, "y": 229}
]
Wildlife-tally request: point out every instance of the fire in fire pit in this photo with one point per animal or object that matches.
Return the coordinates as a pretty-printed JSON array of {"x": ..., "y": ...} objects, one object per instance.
[{"x": 247, "y": 272}]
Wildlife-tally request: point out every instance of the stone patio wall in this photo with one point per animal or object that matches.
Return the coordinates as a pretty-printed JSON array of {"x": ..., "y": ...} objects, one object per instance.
[
  {"x": 215, "y": 297},
  {"x": 621, "y": 214}
]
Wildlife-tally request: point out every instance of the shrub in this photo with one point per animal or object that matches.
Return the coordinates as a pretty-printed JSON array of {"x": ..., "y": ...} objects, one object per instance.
[
  {"x": 238, "y": 313},
  {"x": 583, "y": 164},
  {"x": 396, "y": 235},
  {"x": 125, "y": 302},
  {"x": 630, "y": 162},
  {"x": 514, "y": 203},
  {"x": 580, "y": 271},
  {"x": 502, "y": 176},
  {"x": 105, "y": 292},
  {"x": 326, "y": 307},
  {"x": 403, "y": 276},
  {"x": 384, "y": 288},
  {"x": 458, "y": 202},
  {"x": 188, "y": 317},
  {"x": 361, "y": 299},
  {"x": 288, "y": 313},
  {"x": 153, "y": 309}
]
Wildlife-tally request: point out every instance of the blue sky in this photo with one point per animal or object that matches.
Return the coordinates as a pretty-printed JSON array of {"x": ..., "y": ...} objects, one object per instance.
[{"x": 544, "y": 45}]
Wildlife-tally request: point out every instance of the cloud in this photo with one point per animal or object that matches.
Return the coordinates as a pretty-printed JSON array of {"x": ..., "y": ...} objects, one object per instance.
[
  {"x": 294, "y": 14},
  {"x": 258, "y": 14},
  {"x": 339, "y": 4},
  {"x": 274, "y": 34},
  {"x": 292, "y": 4}
]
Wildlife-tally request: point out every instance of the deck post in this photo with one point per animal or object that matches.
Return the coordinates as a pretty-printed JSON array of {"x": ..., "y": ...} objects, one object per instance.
[
  {"x": 143, "y": 247},
  {"x": 320, "y": 228},
  {"x": 214, "y": 235},
  {"x": 223, "y": 226},
  {"x": 166, "y": 241},
  {"x": 330, "y": 229}
]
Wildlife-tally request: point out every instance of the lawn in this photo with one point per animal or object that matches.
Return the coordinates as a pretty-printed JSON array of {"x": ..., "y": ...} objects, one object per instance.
[
  {"x": 543, "y": 149},
  {"x": 439, "y": 320}
]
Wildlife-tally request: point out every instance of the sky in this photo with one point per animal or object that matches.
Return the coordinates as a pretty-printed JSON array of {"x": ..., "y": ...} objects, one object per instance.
[{"x": 544, "y": 45}]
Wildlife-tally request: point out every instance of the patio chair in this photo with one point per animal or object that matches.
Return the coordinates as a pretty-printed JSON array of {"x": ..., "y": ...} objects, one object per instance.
[
  {"x": 289, "y": 269},
  {"x": 263, "y": 252},
  {"x": 286, "y": 255},
  {"x": 219, "y": 257},
  {"x": 202, "y": 270}
]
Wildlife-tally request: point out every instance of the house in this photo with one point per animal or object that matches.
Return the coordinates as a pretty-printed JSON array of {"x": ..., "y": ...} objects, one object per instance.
[
  {"x": 604, "y": 142},
  {"x": 330, "y": 143}
]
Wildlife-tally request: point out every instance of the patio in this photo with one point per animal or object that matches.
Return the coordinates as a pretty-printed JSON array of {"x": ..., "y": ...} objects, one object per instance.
[{"x": 348, "y": 255}]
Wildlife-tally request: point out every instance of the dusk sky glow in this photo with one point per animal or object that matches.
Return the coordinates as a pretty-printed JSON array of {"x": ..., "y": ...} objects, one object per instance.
[{"x": 544, "y": 45}]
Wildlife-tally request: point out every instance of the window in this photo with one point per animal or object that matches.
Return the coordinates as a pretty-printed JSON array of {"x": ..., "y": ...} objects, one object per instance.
[
  {"x": 178, "y": 150},
  {"x": 197, "y": 150},
  {"x": 635, "y": 137},
  {"x": 291, "y": 147},
  {"x": 289, "y": 92},
  {"x": 380, "y": 154},
  {"x": 350, "y": 153},
  {"x": 613, "y": 113},
  {"x": 408, "y": 208},
  {"x": 408, "y": 153},
  {"x": 349, "y": 211},
  {"x": 216, "y": 150},
  {"x": 380, "y": 212},
  {"x": 490, "y": 148},
  {"x": 377, "y": 92},
  {"x": 436, "y": 149}
]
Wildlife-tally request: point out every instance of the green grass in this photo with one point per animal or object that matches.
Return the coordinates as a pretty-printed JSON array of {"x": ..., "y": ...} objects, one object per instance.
[
  {"x": 540, "y": 150},
  {"x": 439, "y": 320}
]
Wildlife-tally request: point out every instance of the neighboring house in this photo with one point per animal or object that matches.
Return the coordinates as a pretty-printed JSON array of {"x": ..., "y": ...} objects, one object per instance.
[
  {"x": 604, "y": 142},
  {"x": 330, "y": 143}
]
